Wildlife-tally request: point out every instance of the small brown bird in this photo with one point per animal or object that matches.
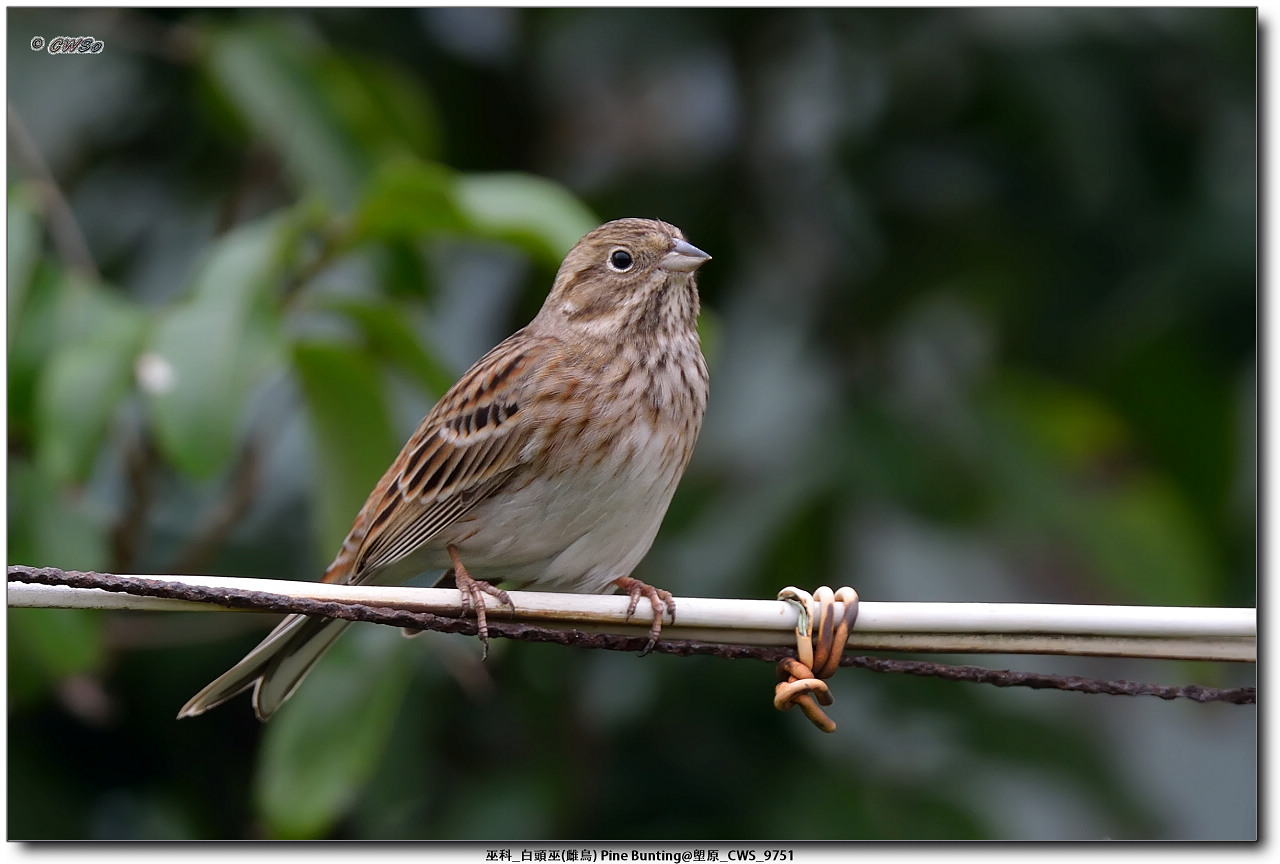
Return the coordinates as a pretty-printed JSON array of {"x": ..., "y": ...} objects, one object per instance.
[{"x": 548, "y": 466}]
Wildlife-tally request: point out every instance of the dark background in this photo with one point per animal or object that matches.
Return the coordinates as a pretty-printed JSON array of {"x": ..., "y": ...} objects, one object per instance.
[{"x": 981, "y": 326}]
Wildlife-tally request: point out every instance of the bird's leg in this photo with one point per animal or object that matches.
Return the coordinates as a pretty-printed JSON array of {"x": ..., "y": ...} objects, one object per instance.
[
  {"x": 471, "y": 589},
  {"x": 661, "y": 601}
]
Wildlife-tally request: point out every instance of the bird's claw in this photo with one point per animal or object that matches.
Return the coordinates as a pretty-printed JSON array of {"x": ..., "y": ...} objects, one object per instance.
[
  {"x": 661, "y": 601},
  {"x": 472, "y": 591}
]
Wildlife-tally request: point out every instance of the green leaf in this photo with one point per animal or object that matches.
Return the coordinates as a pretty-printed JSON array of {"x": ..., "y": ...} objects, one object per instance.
[
  {"x": 388, "y": 335},
  {"x": 1072, "y": 427},
  {"x": 32, "y": 341},
  {"x": 411, "y": 199},
  {"x": 83, "y": 384},
  {"x": 401, "y": 271},
  {"x": 351, "y": 423},
  {"x": 532, "y": 212},
  {"x": 47, "y": 646},
  {"x": 1063, "y": 463},
  {"x": 408, "y": 200},
  {"x": 79, "y": 395},
  {"x": 320, "y": 751},
  {"x": 384, "y": 108},
  {"x": 49, "y": 527},
  {"x": 217, "y": 344},
  {"x": 24, "y": 248},
  {"x": 61, "y": 642},
  {"x": 270, "y": 77},
  {"x": 1146, "y": 542}
]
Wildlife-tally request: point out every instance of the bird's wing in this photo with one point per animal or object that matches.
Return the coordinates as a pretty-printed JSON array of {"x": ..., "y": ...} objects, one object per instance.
[{"x": 462, "y": 452}]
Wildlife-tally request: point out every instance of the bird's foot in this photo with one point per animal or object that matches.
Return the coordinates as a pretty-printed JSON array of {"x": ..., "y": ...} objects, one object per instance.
[
  {"x": 472, "y": 590},
  {"x": 661, "y": 601}
]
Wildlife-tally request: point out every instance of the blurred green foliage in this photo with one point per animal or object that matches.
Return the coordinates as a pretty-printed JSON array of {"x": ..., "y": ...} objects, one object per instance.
[{"x": 981, "y": 325}]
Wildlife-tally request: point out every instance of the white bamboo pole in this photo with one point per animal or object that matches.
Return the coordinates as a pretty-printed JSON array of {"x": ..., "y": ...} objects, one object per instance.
[{"x": 1002, "y": 628}]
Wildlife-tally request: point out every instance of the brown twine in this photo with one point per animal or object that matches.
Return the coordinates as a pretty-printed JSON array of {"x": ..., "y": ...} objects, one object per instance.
[{"x": 820, "y": 641}]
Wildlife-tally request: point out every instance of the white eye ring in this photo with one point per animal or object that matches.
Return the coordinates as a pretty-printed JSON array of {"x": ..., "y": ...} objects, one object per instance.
[{"x": 620, "y": 260}]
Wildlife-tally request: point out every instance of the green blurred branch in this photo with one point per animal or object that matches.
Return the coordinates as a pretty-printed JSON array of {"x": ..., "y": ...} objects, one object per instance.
[
  {"x": 225, "y": 514},
  {"x": 63, "y": 227},
  {"x": 127, "y": 533}
]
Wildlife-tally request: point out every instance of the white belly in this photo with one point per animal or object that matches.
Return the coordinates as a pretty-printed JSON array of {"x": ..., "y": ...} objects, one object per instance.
[{"x": 578, "y": 531}]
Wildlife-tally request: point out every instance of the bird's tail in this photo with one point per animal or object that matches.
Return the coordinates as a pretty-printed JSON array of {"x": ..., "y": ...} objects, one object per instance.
[{"x": 274, "y": 669}]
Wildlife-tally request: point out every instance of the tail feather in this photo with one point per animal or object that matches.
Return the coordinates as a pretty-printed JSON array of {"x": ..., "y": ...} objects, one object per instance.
[{"x": 274, "y": 668}]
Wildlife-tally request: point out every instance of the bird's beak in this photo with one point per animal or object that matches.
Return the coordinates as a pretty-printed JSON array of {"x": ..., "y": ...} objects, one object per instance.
[{"x": 683, "y": 257}]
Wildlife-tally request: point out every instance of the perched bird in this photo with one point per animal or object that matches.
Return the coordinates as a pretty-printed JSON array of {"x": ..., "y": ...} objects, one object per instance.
[{"x": 549, "y": 464}]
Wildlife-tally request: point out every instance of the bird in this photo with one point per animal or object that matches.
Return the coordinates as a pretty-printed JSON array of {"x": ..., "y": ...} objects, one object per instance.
[{"x": 547, "y": 466}]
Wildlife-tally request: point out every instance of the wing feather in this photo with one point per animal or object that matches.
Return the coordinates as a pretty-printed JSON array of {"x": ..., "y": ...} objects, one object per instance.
[{"x": 463, "y": 451}]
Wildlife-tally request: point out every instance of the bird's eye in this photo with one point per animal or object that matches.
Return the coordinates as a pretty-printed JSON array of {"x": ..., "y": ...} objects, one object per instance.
[{"x": 620, "y": 260}]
